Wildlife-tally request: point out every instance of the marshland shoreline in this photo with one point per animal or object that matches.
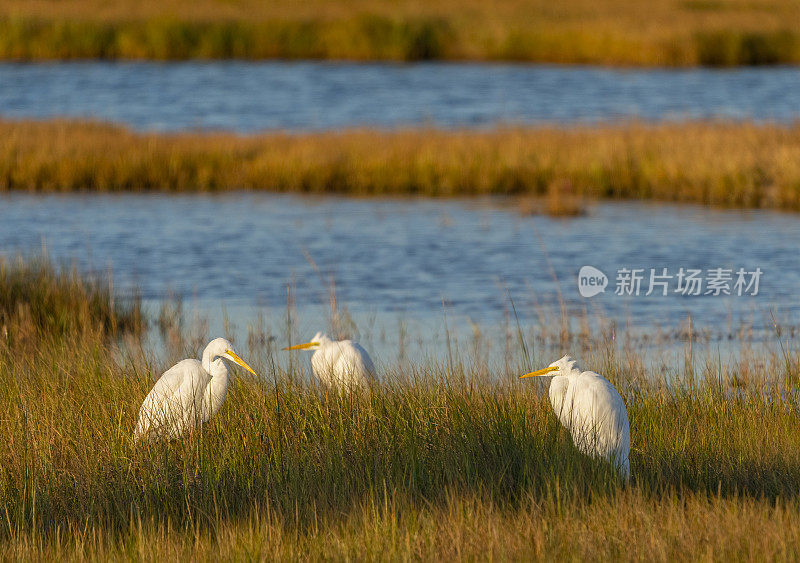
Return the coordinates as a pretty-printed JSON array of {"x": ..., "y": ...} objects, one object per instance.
[
  {"x": 609, "y": 32},
  {"x": 729, "y": 164}
]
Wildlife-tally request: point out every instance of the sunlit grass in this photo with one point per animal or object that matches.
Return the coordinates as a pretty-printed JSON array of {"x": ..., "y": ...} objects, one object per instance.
[
  {"x": 745, "y": 165},
  {"x": 665, "y": 32},
  {"x": 455, "y": 457},
  {"x": 431, "y": 461}
]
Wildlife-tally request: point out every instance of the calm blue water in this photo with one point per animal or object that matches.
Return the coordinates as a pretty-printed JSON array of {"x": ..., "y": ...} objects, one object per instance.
[
  {"x": 398, "y": 259},
  {"x": 403, "y": 262},
  {"x": 242, "y": 96}
]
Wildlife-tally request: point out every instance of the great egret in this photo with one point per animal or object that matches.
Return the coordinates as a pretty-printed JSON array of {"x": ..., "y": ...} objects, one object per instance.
[
  {"x": 592, "y": 410},
  {"x": 338, "y": 363},
  {"x": 188, "y": 394}
]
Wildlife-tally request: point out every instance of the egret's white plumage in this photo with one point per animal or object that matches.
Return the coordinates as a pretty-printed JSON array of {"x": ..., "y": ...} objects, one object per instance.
[
  {"x": 592, "y": 410},
  {"x": 338, "y": 363},
  {"x": 187, "y": 394}
]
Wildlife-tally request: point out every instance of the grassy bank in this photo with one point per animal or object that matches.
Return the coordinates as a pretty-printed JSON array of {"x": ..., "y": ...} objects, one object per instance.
[
  {"x": 429, "y": 463},
  {"x": 710, "y": 163},
  {"x": 465, "y": 462},
  {"x": 667, "y": 32}
]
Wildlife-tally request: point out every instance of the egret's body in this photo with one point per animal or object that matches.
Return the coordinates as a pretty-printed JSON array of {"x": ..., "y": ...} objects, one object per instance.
[
  {"x": 188, "y": 394},
  {"x": 592, "y": 410},
  {"x": 339, "y": 363}
]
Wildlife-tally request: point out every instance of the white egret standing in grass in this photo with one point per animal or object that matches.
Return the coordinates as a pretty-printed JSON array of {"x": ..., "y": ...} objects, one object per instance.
[
  {"x": 188, "y": 394},
  {"x": 338, "y": 363},
  {"x": 592, "y": 410}
]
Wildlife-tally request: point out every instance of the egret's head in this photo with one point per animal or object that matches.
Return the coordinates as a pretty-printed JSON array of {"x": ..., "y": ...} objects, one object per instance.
[
  {"x": 312, "y": 344},
  {"x": 222, "y": 348},
  {"x": 563, "y": 366}
]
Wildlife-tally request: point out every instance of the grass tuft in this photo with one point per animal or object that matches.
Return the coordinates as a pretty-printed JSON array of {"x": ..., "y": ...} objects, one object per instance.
[{"x": 40, "y": 301}]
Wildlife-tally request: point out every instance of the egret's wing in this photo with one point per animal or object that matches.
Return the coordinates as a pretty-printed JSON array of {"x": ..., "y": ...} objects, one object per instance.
[
  {"x": 366, "y": 362},
  {"x": 599, "y": 419},
  {"x": 173, "y": 402},
  {"x": 353, "y": 365},
  {"x": 357, "y": 359},
  {"x": 323, "y": 364},
  {"x": 343, "y": 363}
]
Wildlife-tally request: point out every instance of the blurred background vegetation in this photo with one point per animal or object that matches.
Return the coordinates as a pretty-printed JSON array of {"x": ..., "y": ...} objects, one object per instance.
[
  {"x": 610, "y": 32},
  {"x": 712, "y": 163}
]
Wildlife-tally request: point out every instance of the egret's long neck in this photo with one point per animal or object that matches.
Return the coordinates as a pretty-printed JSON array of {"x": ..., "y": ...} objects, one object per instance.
[
  {"x": 558, "y": 392},
  {"x": 218, "y": 386}
]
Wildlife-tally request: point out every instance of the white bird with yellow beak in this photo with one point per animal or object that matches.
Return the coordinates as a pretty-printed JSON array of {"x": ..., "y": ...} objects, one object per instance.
[
  {"x": 188, "y": 394},
  {"x": 592, "y": 410},
  {"x": 342, "y": 364}
]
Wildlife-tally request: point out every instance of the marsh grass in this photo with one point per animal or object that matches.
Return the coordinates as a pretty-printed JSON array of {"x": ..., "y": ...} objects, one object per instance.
[
  {"x": 40, "y": 300},
  {"x": 742, "y": 165},
  {"x": 426, "y": 463},
  {"x": 667, "y": 33},
  {"x": 559, "y": 201},
  {"x": 456, "y": 461}
]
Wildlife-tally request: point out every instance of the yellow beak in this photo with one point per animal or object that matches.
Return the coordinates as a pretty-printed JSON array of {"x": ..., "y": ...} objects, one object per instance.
[
  {"x": 539, "y": 372},
  {"x": 240, "y": 361},
  {"x": 302, "y": 346}
]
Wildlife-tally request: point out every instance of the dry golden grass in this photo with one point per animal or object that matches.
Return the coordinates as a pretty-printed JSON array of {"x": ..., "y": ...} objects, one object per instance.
[
  {"x": 742, "y": 165},
  {"x": 626, "y": 527},
  {"x": 663, "y": 32}
]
